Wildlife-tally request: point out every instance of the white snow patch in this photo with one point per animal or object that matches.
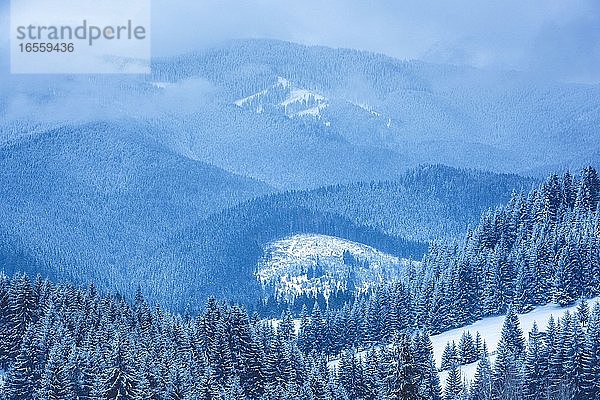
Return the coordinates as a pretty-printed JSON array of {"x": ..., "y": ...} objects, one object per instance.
[
  {"x": 314, "y": 111},
  {"x": 490, "y": 330},
  {"x": 161, "y": 85},
  {"x": 249, "y": 99},
  {"x": 367, "y": 108},
  {"x": 311, "y": 264},
  {"x": 301, "y": 96},
  {"x": 283, "y": 82},
  {"x": 286, "y": 98}
]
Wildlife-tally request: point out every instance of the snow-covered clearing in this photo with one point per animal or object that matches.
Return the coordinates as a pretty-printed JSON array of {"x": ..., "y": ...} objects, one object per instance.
[
  {"x": 311, "y": 263},
  {"x": 284, "y": 96},
  {"x": 490, "y": 329}
]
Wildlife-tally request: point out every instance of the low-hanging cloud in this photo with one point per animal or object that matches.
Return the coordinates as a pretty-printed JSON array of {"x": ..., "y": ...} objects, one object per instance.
[
  {"x": 511, "y": 34},
  {"x": 557, "y": 38}
]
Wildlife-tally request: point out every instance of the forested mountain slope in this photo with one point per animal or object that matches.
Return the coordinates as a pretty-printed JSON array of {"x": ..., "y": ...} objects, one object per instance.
[
  {"x": 423, "y": 113},
  {"x": 220, "y": 254},
  {"x": 301, "y": 117},
  {"x": 86, "y": 201},
  {"x": 59, "y": 341},
  {"x": 425, "y": 203},
  {"x": 121, "y": 210},
  {"x": 539, "y": 248}
]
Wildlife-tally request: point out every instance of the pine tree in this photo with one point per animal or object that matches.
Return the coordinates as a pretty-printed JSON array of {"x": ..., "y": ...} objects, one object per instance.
[
  {"x": 568, "y": 285},
  {"x": 449, "y": 356},
  {"x": 286, "y": 328},
  {"x": 588, "y": 194},
  {"x": 5, "y": 319},
  {"x": 251, "y": 374},
  {"x": 591, "y": 358},
  {"x": 454, "y": 386},
  {"x": 304, "y": 333},
  {"x": 506, "y": 376},
  {"x": 482, "y": 388},
  {"x": 512, "y": 335},
  {"x": 551, "y": 191},
  {"x": 209, "y": 386},
  {"x": 568, "y": 191},
  {"x": 22, "y": 377},
  {"x": 583, "y": 312},
  {"x": 372, "y": 383},
  {"x": 467, "y": 288},
  {"x": 57, "y": 380},
  {"x": 402, "y": 372},
  {"x": 555, "y": 359},
  {"x": 119, "y": 381},
  {"x": 318, "y": 385},
  {"x": 535, "y": 370},
  {"x": 427, "y": 376},
  {"x": 479, "y": 343},
  {"x": 492, "y": 303},
  {"x": 22, "y": 312},
  {"x": 467, "y": 349},
  {"x": 350, "y": 374},
  {"x": 573, "y": 343}
]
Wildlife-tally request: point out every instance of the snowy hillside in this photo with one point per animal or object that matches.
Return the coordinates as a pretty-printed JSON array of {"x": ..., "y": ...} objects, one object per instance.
[
  {"x": 283, "y": 96},
  {"x": 293, "y": 101},
  {"x": 491, "y": 329},
  {"x": 310, "y": 264}
]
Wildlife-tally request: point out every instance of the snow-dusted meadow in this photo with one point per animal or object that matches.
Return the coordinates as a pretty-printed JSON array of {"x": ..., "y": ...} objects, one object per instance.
[{"x": 287, "y": 264}]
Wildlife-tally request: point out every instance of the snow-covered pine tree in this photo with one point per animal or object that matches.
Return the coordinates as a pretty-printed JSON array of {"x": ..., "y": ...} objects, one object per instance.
[
  {"x": 22, "y": 312},
  {"x": 479, "y": 343},
  {"x": 449, "y": 356},
  {"x": 482, "y": 387},
  {"x": 23, "y": 375},
  {"x": 402, "y": 372},
  {"x": 428, "y": 379},
  {"x": 583, "y": 312},
  {"x": 454, "y": 385},
  {"x": 573, "y": 344},
  {"x": 555, "y": 358},
  {"x": 591, "y": 358},
  {"x": 568, "y": 276},
  {"x": 4, "y": 321},
  {"x": 588, "y": 193},
  {"x": 467, "y": 349},
  {"x": 506, "y": 373},
  {"x": 119, "y": 379},
  {"x": 536, "y": 367}
]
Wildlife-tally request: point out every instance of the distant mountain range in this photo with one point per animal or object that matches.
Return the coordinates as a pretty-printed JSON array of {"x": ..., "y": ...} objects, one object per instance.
[
  {"x": 297, "y": 117},
  {"x": 176, "y": 181}
]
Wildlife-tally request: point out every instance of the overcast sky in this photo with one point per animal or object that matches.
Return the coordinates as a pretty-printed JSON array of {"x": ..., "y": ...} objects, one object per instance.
[{"x": 559, "y": 38}]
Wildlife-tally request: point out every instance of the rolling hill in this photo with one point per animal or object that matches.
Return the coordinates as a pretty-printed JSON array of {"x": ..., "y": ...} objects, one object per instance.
[{"x": 87, "y": 201}]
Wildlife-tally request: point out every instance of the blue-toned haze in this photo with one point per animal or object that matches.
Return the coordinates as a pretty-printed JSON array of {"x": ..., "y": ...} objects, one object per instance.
[
  {"x": 557, "y": 38},
  {"x": 395, "y": 167}
]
